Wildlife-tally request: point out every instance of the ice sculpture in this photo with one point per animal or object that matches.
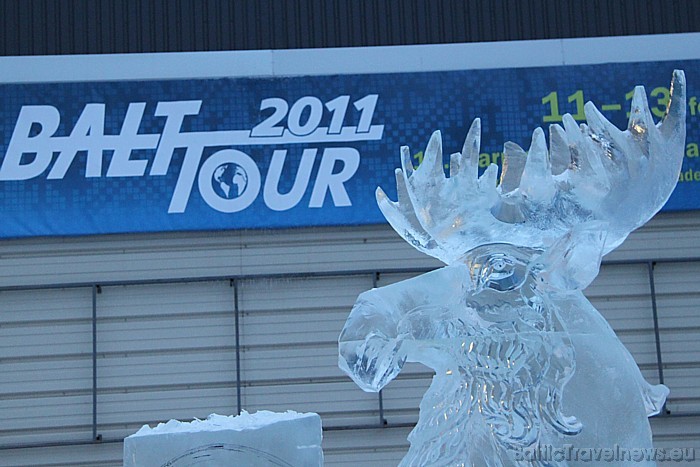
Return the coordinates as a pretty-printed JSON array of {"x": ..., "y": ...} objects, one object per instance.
[
  {"x": 523, "y": 362},
  {"x": 261, "y": 439}
]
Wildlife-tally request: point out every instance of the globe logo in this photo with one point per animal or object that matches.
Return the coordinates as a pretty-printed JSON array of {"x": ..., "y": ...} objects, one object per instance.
[{"x": 229, "y": 180}]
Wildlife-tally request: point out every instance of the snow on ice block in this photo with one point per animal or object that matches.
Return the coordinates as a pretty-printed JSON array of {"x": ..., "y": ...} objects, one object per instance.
[{"x": 260, "y": 439}]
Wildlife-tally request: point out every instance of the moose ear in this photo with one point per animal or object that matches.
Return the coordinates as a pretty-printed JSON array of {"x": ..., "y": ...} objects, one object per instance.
[{"x": 573, "y": 261}]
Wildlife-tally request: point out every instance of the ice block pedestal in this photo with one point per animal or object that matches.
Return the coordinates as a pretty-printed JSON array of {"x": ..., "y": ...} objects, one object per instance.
[{"x": 259, "y": 439}]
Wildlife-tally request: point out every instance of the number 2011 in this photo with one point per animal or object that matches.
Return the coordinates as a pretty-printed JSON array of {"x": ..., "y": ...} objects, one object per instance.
[{"x": 305, "y": 115}]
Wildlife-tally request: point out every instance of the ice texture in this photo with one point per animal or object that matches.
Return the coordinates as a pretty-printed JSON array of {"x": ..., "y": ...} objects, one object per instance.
[
  {"x": 592, "y": 172},
  {"x": 259, "y": 439},
  {"x": 522, "y": 360}
]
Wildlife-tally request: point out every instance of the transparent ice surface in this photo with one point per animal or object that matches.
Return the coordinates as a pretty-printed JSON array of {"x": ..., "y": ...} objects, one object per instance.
[
  {"x": 591, "y": 172},
  {"x": 261, "y": 439},
  {"x": 522, "y": 360}
]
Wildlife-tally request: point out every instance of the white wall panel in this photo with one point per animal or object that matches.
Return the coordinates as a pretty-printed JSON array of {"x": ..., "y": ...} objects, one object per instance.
[
  {"x": 167, "y": 350},
  {"x": 678, "y": 303},
  {"x": 164, "y": 351},
  {"x": 402, "y": 397},
  {"x": 45, "y": 365},
  {"x": 378, "y": 447},
  {"x": 289, "y": 334},
  {"x": 97, "y": 455},
  {"x": 677, "y": 432},
  {"x": 338, "y": 403},
  {"x": 204, "y": 254}
]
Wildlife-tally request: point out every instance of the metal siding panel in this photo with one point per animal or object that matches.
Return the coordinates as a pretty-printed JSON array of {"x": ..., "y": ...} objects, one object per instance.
[
  {"x": 603, "y": 23},
  {"x": 136, "y": 29},
  {"x": 401, "y": 397},
  {"x": 26, "y": 41},
  {"x": 658, "y": 17},
  {"x": 450, "y": 32},
  {"x": 80, "y": 25},
  {"x": 413, "y": 22},
  {"x": 170, "y": 11},
  {"x": 285, "y": 366},
  {"x": 617, "y": 19},
  {"x": 93, "y": 28},
  {"x": 258, "y": 16},
  {"x": 390, "y": 26},
  {"x": 6, "y": 43},
  {"x": 263, "y": 36},
  {"x": 157, "y": 29},
  {"x": 95, "y": 455},
  {"x": 281, "y": 327},
  {"x": 378, "y": 447},
  {"x": 118, "y": 16},
  {"x": 145, "y": 17},
  {"x": 281, "y": 19},
  {"x": 606, "y": 284},
  {"x": 226, "y": 22},
  {"x": 358, "y": 408},
  {"x": 313, "y": 362},
  {"x": 676, "y": 432},
  {"x": 473, "y": 22},
  {"x": 314, "y": 295},
  {"x": 591, "y": 17},
  {"x": 275, "y": 322},
  {"x": 371, "y": 28},
  {"x": 214, "y": 33},
  {"x": 197, "y": 30},
  {"x": 166, "y": 350},
  {"x": 35, "y": 34},
  {"x": 684, "y": 20},
  {"x": 298, "y": 30},
  {"x": 436, "y": 22},
  {"x": 367, "y": 24},
  {"x": 239, "y": 28},
  {"x": 122, "y": 414},
  {"x": 508, "y": 25},
  {"x": 142, "y": 370},
  {"x": 678, "y": 301},
  {"x": 98, "y": 26},
  {"x": 579, "y": 19},
  {"x": 33, "y": 261},
  {"x": 325, "y": 16},
  {"x": 343, "y": 21},
  {"x": 105, "y": 18},
  {"x": 330, "y": 24},
  {"x": 332, "y": 253},
  {"x": 637, "y": 17},
  {"x": 352, "y": 34},
  {"x": 45, "y": 359},
  {"x": 16, "y": 43},
  {"x": 178, "y": 12},
  {"x": 552, "y": 20}
]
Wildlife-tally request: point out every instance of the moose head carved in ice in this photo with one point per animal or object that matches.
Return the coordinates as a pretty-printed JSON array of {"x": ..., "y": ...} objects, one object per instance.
[{"x": 522, "y": 360}]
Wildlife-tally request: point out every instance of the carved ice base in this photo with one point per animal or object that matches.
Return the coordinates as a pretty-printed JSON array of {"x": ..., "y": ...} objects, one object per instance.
[{"x": 260, "y": 439}]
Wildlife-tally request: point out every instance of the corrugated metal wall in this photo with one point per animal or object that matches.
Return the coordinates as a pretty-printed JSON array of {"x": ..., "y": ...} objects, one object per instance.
[
  {"x": 166, "y": 349},
  {"x": 47, "y": 27}
]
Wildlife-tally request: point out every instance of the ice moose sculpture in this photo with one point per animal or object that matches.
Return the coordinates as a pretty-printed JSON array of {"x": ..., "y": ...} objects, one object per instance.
[{"x": 522, "y": 360}]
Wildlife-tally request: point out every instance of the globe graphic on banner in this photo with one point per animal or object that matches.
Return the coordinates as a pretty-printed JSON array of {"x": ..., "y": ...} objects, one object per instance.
[{"x": 229, "y": 180}]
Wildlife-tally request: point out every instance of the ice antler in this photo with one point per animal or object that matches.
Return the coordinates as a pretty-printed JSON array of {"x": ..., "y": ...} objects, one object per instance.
[{"x": 593, "y": 172}]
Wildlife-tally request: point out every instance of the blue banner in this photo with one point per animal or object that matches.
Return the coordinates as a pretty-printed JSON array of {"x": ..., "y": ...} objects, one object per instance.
[{"x": 175, "y": 155}]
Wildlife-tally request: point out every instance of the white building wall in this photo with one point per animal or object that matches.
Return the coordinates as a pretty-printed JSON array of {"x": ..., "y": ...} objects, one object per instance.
[{"x": 167, "y": 349}]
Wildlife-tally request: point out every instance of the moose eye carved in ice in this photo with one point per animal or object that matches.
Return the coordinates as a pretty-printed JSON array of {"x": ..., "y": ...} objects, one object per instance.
[{"x": 522, "y": 360}]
